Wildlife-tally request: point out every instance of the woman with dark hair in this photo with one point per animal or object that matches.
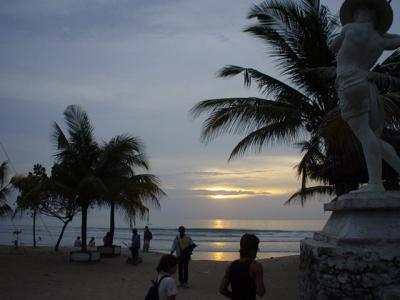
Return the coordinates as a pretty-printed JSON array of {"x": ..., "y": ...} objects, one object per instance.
[
  {"x": 166, "y": 283},
  {"x": 245, "y": 275}
]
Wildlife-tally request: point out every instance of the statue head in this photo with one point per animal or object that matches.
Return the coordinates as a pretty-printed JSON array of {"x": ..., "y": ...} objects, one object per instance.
[
  {"x": 365, "y": 14},
  {"x": 377, "y": 12}
]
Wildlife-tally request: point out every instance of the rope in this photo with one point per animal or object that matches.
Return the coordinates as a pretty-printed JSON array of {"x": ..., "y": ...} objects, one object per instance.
[{"x": 45, "y": 226}]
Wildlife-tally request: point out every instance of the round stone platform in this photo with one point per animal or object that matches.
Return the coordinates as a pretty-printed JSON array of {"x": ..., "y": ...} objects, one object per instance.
[
  {"x": 363, "y": 219},
  {"x": 357, "y": 254}
]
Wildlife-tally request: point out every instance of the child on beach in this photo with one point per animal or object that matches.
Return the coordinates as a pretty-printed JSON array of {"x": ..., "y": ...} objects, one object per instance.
[
  {"x": 245, "y": 275},
  {"x": 166, "y": 283}
]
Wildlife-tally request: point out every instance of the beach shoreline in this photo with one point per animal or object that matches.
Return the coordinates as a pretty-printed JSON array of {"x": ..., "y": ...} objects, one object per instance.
[{"x": 41, "y": 273}]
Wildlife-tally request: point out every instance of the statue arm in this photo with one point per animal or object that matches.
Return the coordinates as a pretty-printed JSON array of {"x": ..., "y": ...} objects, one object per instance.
[
  {"x": 336, "y": 43},
  {"x": 391, "y": 41}
]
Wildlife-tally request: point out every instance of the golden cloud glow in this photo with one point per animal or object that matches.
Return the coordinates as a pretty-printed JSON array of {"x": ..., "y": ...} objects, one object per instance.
[
  {"x": 231, "y": 192},
  {"x": 230, "y": 196}
]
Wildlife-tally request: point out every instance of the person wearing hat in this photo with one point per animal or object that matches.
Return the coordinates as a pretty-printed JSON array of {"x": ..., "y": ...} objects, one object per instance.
[
  {"x": 245, "y": 275},
  {"x": 361, "y": 42},
  {"x": 183, "y": 245}
]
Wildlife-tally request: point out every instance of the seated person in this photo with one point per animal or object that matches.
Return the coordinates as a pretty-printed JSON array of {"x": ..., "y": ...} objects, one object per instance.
[
  {"x": 92, "y": 243},
  {"x": 107, "y": 240},
  {"x": 78, "y": 242}
]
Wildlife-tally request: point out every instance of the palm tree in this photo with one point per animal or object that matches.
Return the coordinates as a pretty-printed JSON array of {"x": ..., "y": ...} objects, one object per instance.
[
  {"x": 77, "y": 156},
  {"x": 31, "y": 190},
  {"x": 125, "y": 189},
  {"x": 303, "y": 111},
  {"x": 5, "y": 209}
]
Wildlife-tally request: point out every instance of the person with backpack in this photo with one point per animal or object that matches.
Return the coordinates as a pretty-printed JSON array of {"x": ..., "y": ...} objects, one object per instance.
[
  {"x": 183, "y": 245},
  {"x": 147, "y": 236},
  {"x": 245, "y": 275},
  {"x": 164, "y": 288}
]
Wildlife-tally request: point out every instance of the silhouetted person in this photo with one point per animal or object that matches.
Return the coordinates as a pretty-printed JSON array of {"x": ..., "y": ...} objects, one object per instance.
[
  {"x": 183, "y": 245},
  {"x": 92, "y": 243},
  {"x": 78, "y": 242},
  {"x": 135, "y": 246},
  {"x": 147, "y": 236},
  {"x": 107, "y": 240},
  {"x": 245, "y": 275}
]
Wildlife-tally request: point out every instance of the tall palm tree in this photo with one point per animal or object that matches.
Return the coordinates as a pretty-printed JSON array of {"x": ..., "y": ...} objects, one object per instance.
[
  {"x": 77, "y": 156},
  {"x": 5, "y": 209},
  {"x": 303, "y": 110},
  {"x": 125, "y": 189}
]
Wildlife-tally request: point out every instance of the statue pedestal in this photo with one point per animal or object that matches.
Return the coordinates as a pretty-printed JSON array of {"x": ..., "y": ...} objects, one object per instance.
[{"x": 357, "y": 254}]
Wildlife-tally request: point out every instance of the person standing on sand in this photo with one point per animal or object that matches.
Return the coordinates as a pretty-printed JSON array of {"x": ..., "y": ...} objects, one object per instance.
[
  {"x": 147, "y": 236},
  {"x": 183, "y": 245},
  {"x": 245, "y": 275},
  {"x": 135, "y": 246}
]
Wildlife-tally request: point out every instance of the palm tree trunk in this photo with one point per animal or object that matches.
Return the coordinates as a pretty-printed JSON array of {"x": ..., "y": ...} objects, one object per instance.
[
  {"x": 84, "y": 228},
  {"x": 34, "y": 228},
  {"x": 61, "y": 234},
  {"x": 112, "y": 221}
]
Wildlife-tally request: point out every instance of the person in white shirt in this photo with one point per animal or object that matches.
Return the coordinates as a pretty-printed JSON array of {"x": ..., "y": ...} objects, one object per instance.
[{"x": 167, "y": 287}]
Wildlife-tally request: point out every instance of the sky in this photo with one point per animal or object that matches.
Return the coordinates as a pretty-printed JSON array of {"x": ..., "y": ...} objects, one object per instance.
[{"x": 137, "y": 67}]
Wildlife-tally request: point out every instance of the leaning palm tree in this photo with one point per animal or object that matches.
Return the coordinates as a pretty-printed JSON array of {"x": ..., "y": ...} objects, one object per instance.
[
  {"x": 77, "y": 156},
  {"x": 126, "y": 190},
  {"x": 303, "y": 110},
  {"x": 5, "y": 208}
]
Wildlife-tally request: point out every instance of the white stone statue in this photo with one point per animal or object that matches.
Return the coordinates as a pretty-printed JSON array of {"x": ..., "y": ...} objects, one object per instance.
[{"x": 360, "y": 44}]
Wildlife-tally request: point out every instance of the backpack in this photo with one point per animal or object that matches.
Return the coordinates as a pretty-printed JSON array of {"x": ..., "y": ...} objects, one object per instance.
[{"x": 152, "y": 294}]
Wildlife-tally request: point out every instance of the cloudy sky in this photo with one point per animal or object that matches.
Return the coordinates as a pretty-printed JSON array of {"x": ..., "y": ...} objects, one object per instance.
[{"x": 137, "y": 67}]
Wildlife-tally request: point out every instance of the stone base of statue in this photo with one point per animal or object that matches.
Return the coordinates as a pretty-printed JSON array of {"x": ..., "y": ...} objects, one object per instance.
[{"x": 357, "y": 254}]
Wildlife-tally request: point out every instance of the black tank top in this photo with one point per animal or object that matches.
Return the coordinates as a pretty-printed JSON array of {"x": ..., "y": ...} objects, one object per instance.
[{"x": 242, "y": 284}]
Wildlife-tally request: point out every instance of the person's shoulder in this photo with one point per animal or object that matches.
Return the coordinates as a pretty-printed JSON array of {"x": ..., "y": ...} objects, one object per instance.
[
  {"x": 168, "y": 281},
  {"x": 256, "y": 266}
]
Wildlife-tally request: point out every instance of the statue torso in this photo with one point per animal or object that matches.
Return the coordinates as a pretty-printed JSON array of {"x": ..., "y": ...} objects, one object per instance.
[{"x": 360, "y": 50}]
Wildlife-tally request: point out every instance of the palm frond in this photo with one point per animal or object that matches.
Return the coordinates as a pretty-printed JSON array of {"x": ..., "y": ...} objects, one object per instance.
[
  {"x": 242, "y": 115},
  {"x": 268, "y": 85},
  {"x": 278, "y": 132},
  {"x": 303, "y": 194}
]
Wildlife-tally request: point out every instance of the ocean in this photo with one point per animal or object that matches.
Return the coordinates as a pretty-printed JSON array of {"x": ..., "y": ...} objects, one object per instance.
[{"x": 216, "y": 239}]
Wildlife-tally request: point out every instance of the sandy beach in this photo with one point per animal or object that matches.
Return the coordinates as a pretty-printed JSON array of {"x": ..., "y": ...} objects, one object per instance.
[{"x": 43, "y": 274}]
